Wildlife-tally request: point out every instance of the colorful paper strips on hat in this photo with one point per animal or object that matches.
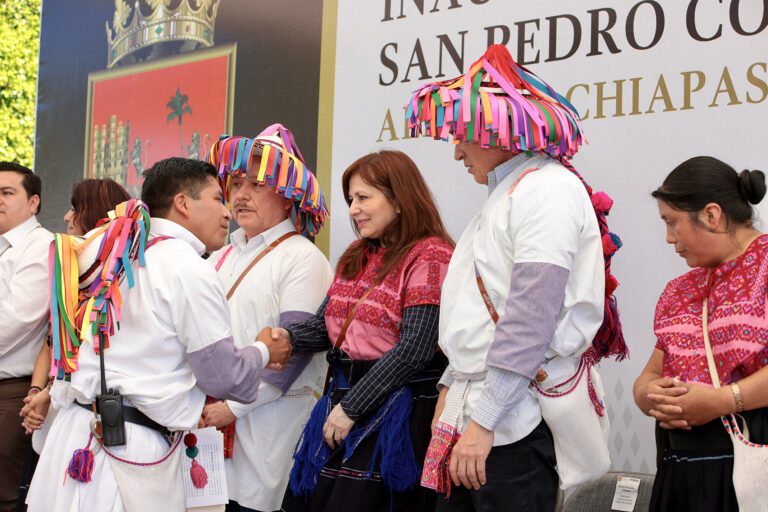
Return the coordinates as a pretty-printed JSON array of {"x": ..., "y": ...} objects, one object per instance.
[
  {"x": 497, "y": 103},
  {"x": 274, "y": 159}
]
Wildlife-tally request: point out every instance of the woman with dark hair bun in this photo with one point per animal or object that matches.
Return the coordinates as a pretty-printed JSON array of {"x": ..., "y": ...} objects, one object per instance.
[
  {"x": 92, "y": 200},
  {"x": 706, "y": 206},
  {"x": 366, "y": 439}
]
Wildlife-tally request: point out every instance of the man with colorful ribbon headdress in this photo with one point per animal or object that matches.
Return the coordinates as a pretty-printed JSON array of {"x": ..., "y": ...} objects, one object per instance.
[
  {"x": 157, "y": 313},
  {"x": 274, "y": 277},
  {"x": 528, "y": 285}
]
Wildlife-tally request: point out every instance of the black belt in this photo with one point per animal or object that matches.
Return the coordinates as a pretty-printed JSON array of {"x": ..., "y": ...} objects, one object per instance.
[
  {"x": 710, "y": 436},
  {"x": 135, "y": 416},
  {"x": 355, "y": 369}
]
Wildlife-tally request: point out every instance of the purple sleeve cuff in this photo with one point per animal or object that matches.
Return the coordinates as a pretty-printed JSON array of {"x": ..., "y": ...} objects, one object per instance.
[
  {"x": 284, "y": 379},
  {"x": 526, "y": 328},
  {"x": 226, "y": 372}
]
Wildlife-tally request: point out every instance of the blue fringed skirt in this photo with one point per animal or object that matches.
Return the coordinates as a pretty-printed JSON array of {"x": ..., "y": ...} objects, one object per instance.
[{"x": 352, "y": 480}]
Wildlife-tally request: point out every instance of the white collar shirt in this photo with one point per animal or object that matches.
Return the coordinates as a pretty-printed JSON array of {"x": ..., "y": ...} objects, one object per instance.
[{"x": 24, "y": 296}]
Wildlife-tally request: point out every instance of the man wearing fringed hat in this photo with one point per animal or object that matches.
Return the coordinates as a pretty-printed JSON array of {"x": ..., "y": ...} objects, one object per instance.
[
  {"x": 274, "y": 277},
  {"x": 526, "y": 287},
  {"x": 140, "y": 338}
]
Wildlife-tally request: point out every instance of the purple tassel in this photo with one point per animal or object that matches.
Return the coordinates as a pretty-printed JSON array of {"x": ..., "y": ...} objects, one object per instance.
[{"x": 80, "y": 468}]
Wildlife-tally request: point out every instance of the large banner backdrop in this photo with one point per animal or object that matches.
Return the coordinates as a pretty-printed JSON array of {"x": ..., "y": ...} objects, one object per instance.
[
  {"x": 124, "y": 83},
  {"x": 655, "y": 83}
]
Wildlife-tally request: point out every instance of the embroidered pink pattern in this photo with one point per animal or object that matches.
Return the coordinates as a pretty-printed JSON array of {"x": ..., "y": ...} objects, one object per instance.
[
  {"x": 376, "y": 328},
  {"x": 436, "y": 474},
  {"x": 738, "y": 327}
]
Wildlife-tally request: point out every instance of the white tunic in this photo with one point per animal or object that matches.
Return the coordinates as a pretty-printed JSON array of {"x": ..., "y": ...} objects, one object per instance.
[
  {"x": 176, "y": 306},
  {"x": 293, "y": 278},
  {"x": 548, "y": 219}
]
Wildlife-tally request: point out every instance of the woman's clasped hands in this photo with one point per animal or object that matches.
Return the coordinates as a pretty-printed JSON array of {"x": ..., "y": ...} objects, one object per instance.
[{"x": 678, "y": 404}]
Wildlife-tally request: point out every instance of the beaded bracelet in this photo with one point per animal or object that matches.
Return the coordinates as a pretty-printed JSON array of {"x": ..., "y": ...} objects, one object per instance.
[{"x": 34, "y": 390}]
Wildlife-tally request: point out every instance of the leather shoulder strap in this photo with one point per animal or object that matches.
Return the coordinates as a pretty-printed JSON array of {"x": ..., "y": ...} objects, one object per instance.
[
  {"x": 350, "y": 317},
  {"x": 257, "y": 259},
  {"x": 486, "y": 298},
  {"x": 343, "y": 333}
]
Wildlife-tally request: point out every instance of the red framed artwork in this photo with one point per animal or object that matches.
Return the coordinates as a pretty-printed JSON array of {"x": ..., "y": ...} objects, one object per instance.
[{"x": 140, "y": 114}]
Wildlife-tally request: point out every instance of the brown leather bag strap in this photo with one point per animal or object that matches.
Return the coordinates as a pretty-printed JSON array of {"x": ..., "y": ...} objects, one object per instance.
[
  {"x": 257, "y": 259},
  {"x": 343, "y": 332},
  {"x": 486, "y": 297},
  {"x": 350, "y": 317}
]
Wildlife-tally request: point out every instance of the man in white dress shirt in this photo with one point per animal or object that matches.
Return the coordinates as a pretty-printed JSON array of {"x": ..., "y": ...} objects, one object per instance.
[
  {"x": 286, "y": 285},
  {"x": 174, "y": 346},
  {"x": 23, "y": 312}
]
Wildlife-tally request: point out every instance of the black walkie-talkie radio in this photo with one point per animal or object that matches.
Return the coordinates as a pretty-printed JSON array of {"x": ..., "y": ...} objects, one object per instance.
[{"x": 109, "y": 405}]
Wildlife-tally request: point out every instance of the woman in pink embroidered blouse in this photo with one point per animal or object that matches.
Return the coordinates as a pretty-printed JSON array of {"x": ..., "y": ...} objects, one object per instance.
[
  {"x": 366, "y": 439},
  {"x": 706, "y": 207}
]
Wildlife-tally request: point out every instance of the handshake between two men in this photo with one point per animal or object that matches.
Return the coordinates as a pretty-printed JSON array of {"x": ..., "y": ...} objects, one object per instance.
[
  {"x": 277, "y": 340},
  {"x": 278, "y": 343}
]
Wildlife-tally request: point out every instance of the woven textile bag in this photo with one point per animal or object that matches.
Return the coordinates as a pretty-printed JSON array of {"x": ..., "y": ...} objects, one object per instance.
[
  {"x": 575, "y": 412},
  {"x": 750, "y": 460},
  {"x": 750, "y": 467},
  {"x": 570, "y": 410},
  {"x": 151, "y": 487}
]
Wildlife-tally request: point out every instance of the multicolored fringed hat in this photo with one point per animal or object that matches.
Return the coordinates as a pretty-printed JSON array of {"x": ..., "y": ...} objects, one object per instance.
[
  {"x": 85, "y": 273},
  {"x": 511, "y": 108},
  {"x": 280, "y": 164},
  {"x": 498, "y": 103}
]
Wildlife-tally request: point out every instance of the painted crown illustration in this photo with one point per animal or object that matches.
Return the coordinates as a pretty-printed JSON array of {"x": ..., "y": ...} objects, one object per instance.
[{"x": 149, "y": 22}]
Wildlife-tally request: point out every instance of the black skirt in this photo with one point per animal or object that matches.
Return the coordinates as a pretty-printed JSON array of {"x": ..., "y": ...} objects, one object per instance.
[
  {"x": 346, "y": 486},
  {"x": 695, "y": 467}
]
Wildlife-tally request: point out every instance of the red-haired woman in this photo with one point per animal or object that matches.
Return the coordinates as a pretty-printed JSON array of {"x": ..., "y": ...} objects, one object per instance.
[
  {"x": 91, "y": 201},
  {"x": 366, "y": 438}
]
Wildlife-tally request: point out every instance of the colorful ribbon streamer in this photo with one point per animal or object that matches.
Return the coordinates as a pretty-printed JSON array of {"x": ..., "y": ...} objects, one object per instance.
[
  {"x": 279, "y": 164},
  {"x": 498, "y": 103},
  {"x": 79, "y": 314}
]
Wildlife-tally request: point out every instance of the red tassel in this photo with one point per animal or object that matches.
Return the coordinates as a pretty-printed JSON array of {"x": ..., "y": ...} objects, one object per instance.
[
  {"x": 198, "y": 474},
  {"x": 601, "y": 202},
  {"x": 609, "y": 246},
  {"x": 80, "y": 467}
]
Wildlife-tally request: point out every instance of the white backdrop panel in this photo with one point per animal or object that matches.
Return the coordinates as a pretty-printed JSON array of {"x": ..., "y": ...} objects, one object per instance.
[{"x": 678, "y": 97}]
